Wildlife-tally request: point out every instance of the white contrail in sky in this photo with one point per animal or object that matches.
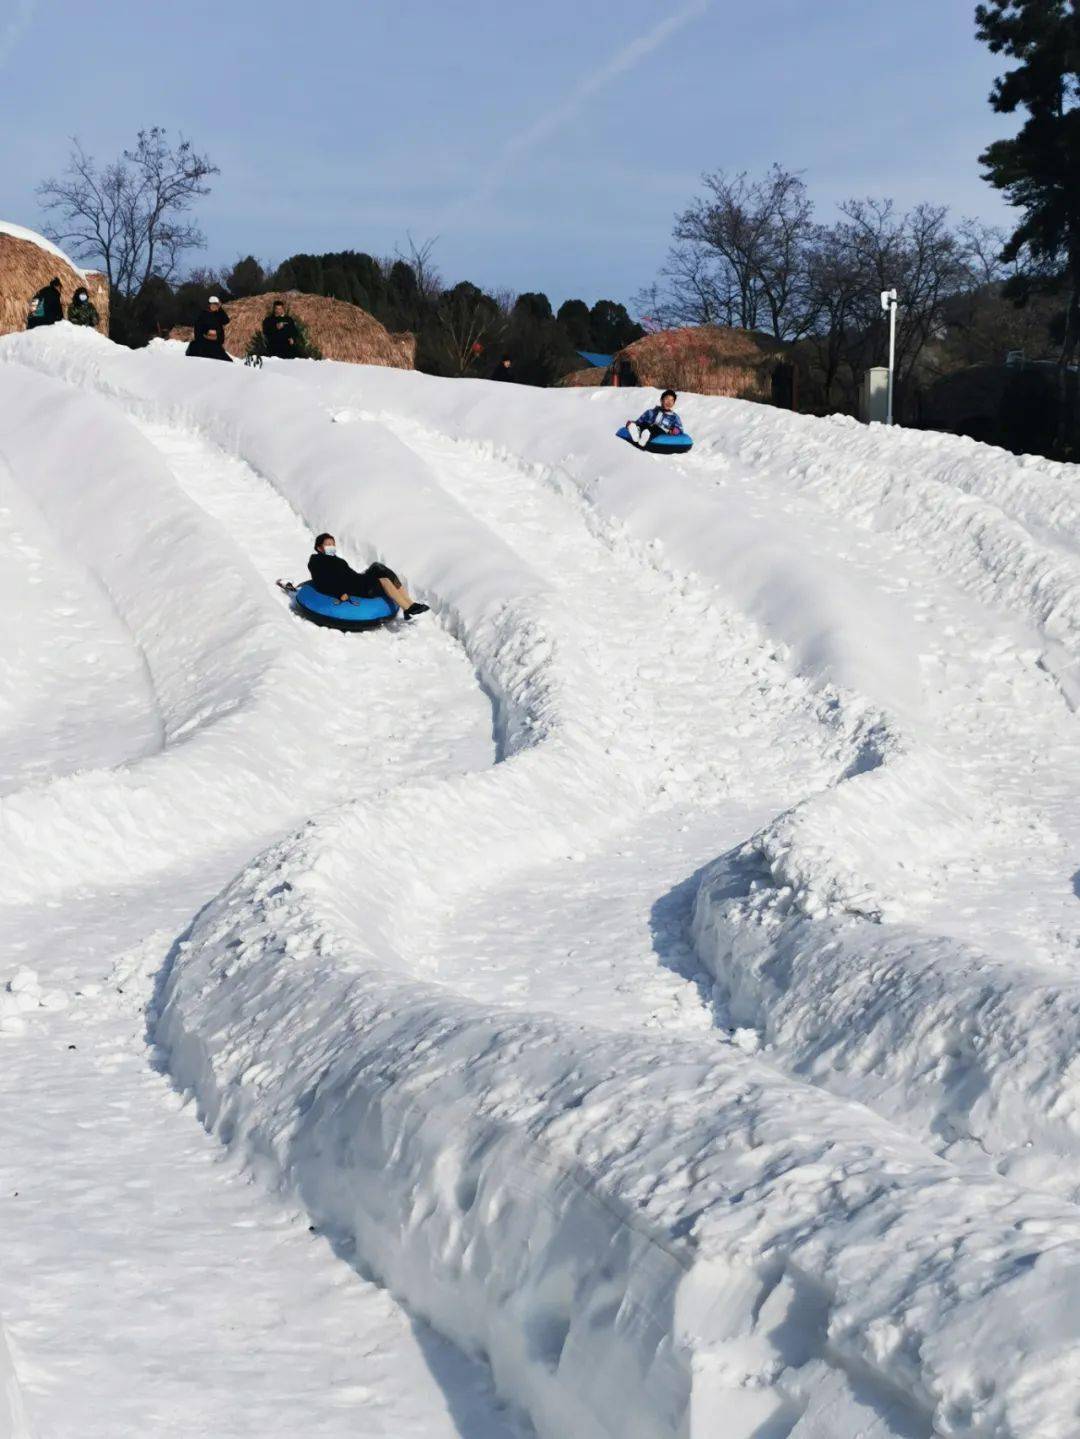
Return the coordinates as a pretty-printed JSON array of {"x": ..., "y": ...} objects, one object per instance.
[
  {"x": 566, "y": 109},
  {"x": 13, "y": 30}
]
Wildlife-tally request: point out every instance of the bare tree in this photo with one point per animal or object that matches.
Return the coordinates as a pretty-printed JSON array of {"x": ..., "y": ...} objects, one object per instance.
[
  {"x": 871, "y": 248},
  {"x": 429, "y": 285},
  {"x": 917, "y": 253},
  {"x": 748, "y": 253},
  {"x": 838, "y": 288},
  {"x": 692, "y": 290},
  {"x": 983, "y": 246},
  {"x": 741, "y": 251},
  {"x": 130, "y": 216}
]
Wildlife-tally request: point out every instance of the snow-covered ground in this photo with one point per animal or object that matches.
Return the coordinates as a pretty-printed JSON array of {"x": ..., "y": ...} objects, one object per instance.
[{"x": 636, "y": 1000}]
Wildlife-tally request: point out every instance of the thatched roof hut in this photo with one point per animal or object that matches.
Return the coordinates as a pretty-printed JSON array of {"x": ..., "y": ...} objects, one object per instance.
[
  {"x": 710, "y": 360},
  {"x": 341, "y": 331},
  {"x": 28, "y": 262},
  {"x": 590, "y": 376}
]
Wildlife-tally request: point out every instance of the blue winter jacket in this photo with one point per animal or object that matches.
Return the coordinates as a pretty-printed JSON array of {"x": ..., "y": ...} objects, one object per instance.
[{"x": 669, "y": 422}]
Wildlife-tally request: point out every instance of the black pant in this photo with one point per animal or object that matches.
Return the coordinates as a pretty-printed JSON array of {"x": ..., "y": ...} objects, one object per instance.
[
  {"x": 369, "y": 587},
  {"x": 208, "y": 350}
]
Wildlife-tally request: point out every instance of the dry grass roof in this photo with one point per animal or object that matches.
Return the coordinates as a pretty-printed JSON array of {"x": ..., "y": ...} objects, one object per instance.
[
  {"x": 341, "y": 331},
  {"x": 26, "y": 266},
  {"x": 594, "y": 375},
  {"x": 707, "y": 360}
]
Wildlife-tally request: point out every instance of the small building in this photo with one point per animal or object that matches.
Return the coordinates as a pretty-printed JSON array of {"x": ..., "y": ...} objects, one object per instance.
[
  {"x": 701, "y": 359},
  {"x": 710, "y": 360},
  {"x": 27, "y": 263},
  {"x": 340, "y": 330}
]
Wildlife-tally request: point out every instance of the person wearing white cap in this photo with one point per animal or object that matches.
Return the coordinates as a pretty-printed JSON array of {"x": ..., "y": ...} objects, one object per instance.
[{"x": 209, "y": 341}]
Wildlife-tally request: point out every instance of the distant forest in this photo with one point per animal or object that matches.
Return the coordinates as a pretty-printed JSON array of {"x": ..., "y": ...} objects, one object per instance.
[{"x": 460, "y": 329}]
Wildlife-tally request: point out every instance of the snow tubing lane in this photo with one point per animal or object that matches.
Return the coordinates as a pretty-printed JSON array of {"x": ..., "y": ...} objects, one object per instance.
[
  {"x": 353, "y": 614},
  {"x": 660, "y": 444}
]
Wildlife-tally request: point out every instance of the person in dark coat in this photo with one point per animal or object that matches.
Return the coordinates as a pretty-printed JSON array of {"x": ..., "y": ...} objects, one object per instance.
[
  {"x": 82, "y": 310},
  {"x": 504, "y": 370},
  {"x": 280, "y": 333},
  {"x": 209, "y": 341},
  {"x": 46, "y": 307},
  {"x": 335, "y": 577}
]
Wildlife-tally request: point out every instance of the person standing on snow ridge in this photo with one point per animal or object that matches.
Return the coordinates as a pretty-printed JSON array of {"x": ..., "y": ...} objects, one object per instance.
[
  {"x": 46, "y": 307},
  {"x": 334, "y": 577},
  {"x": 660, "y": 420},
  {"x": 82, "y": 310},
  {"x": 504, "y": 370},
  {"x": 209, "y": 341},
  {"x": 280, "y": 333}
]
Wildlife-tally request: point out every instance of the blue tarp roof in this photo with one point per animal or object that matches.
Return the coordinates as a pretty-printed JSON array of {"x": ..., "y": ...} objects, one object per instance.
[{"x": 600, "y": 361}]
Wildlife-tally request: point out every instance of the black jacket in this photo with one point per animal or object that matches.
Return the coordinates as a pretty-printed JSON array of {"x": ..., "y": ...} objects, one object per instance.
[
  {"x": 281, "y": 336},
  {"x": 331, "y": 575},
  {"x": 202, "y": 346},
  {"x": 503, "y": 372},
  {"x": 206, "y": 321},
  {"x": 49, "y": 296}
]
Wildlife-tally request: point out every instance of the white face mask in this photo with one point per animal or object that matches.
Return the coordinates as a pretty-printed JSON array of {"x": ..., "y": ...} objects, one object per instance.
[{"x": 329, "y": 549}]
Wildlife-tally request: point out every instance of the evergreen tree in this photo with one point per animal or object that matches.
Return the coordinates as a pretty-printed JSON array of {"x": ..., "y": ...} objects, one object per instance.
[
  {"x": 573, "y": 316},
  {"x": 1039, "y": 168},
  {"x": 300, "y": 272},
  {"x": 247, "y": 277},
  {"x": 611, "y": 327},
  {"x": 538, "y": 344},
  {"x": 339, "y": 283},
  {"x": 534, "y": 304}
]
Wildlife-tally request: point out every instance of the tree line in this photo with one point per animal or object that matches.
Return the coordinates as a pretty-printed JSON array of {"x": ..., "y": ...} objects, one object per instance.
[
  {"x": 460, "y": 328},
  {"x": 748, "y": 251},
  {"x": 131, "y": 217}
]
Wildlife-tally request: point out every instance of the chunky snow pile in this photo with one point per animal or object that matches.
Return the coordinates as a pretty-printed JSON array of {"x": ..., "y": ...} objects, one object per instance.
[
  {"x": 655, "y": 967},
  {"x": 23, "y": 995}
]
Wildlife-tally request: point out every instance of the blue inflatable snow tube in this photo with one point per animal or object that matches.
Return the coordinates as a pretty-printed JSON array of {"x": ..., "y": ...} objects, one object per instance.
[
  {"x": 660, "y": 444},
  {"x": 355, "y": 614}
]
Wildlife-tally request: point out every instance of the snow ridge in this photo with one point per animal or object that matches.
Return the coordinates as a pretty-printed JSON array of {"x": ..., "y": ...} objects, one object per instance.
[{"x": 647, "y": 1233}]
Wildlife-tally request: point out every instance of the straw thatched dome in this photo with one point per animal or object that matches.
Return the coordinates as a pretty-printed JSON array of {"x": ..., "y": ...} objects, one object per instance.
[
  {"x": 594, "y": 375},
  {"x": 27, "y": 262},
  {"x": 707, "y": 360},
  {"x": 341, "y": 331}
]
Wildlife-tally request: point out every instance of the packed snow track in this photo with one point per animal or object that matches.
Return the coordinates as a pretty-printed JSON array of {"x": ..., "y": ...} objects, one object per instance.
[{"x": 636, "y": 1000}]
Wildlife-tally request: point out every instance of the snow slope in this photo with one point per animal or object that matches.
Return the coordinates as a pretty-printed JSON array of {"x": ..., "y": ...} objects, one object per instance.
[
  {"x": 956, "y": 820},
  {"x": 666, "y": 995},
  {"x": 13, "y": 1422}
]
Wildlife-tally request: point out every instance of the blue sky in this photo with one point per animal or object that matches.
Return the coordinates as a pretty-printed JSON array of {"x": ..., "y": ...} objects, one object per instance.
[{"x": 547, "y": 146}]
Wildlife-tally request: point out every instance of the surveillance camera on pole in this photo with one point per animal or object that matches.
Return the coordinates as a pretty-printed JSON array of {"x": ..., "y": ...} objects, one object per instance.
[{"x": 888, "y": 303}]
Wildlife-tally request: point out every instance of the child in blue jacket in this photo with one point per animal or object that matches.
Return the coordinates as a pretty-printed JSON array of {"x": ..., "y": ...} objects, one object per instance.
[{"x": 660, "y": 420}]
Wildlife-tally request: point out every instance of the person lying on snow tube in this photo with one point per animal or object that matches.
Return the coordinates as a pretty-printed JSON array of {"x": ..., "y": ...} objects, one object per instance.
[
  {"x": 334, "y": 577},
  {"x": 660, "y": 420}
]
